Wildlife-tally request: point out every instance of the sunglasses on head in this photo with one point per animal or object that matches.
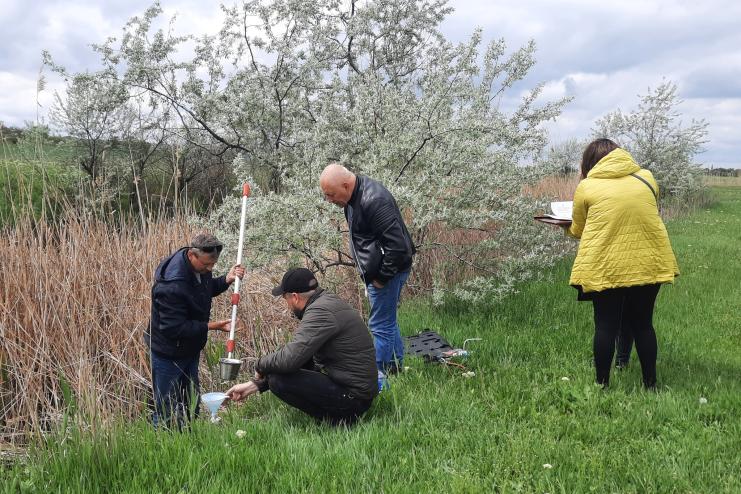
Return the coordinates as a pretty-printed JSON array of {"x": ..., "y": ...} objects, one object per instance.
[{"x": 211, "y": 249}]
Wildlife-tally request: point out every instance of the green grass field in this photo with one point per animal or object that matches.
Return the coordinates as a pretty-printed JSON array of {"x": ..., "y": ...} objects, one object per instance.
[
  {"x": 530, "y": 420},
  {"x": 25, "y": 184}
]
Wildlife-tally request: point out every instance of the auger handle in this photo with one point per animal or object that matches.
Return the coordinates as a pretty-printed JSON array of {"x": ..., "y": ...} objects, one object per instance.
[{"x": 237, "y": 282}]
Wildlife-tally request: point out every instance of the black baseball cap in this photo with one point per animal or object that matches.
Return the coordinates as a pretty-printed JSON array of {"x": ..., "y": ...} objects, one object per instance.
[{"x": 297, "y": 280}]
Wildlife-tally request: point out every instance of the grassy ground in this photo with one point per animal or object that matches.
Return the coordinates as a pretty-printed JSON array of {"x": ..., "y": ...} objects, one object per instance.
[{"x": 530, "y": 420}]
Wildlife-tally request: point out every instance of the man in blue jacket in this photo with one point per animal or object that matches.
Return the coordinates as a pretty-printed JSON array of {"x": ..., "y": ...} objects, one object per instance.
[
  {"x": 179, "y": 325},
  {"x": 382, "y": 249}
]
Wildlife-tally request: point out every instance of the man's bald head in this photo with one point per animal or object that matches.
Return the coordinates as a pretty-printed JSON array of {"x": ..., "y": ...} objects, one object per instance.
[{"x": 337, "y": 183}]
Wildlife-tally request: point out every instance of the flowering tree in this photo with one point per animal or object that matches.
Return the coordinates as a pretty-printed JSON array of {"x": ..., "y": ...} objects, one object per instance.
[
  {"x": 94, "y": 112},
  {"x": 289, "y": 85},
  {"x": 657, "y": 139},
  {"x": 565, "y": 156}
]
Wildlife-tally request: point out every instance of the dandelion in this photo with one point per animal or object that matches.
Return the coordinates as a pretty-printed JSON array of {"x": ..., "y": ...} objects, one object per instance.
[
  {"x": 240, "y": 433},
  {"x": 547, "y": 466},
  {"x": 469, "y": 374},
  {"x": 703, "y": 400},
  {"x": 564, "y": 378}
]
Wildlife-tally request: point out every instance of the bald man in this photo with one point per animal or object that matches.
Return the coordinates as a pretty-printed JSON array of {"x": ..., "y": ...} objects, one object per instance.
[{"x": 382, "y": 249}]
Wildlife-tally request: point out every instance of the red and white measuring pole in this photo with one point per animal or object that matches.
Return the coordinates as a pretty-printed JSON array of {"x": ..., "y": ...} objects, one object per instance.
[{"x": 235, "y": 295}]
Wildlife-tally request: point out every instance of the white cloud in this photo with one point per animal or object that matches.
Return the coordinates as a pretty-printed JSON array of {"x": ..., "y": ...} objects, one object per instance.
[
  {"x": 604, "y": 54},
  {"x": 18, "y": 98}
]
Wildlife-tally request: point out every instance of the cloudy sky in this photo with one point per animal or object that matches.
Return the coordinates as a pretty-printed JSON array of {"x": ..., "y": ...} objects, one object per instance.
[{"x": 604, "y": 54}]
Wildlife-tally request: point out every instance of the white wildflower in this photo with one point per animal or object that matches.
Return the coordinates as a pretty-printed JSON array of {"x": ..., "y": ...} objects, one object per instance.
[
  {"x": 703, "y": 400},
  {"x": 547, "y": 466},
  {"x": 468, "y": 374},
  {"x": 564, "y": 378},
  {"x": 240, "y": 433}
]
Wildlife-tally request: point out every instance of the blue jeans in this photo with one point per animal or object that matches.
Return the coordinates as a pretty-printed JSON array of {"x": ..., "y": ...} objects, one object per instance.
[
  {"x": 176, "y": 390},
  {"x": 383, "y": 324}
]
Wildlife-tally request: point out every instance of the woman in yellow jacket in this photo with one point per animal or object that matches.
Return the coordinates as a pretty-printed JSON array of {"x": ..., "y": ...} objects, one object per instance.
[{"x": 624, "y": 253}]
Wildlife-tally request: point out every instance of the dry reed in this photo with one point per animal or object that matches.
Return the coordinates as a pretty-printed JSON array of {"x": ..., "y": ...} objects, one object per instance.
[
  {"x": 555, "y": 187},
  {"x": 73, "y": 307},
  {"x": 447, "y": 256},
  {"x": 715, "y": 181}
]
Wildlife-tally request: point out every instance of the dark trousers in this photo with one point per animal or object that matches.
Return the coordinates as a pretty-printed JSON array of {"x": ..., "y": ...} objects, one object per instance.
[
  {"x": 317, "y": 395},
  {"x": 624, "y": 345},
  {"x": 625, "y": 311},
  {"x": 175, "y": 387}
]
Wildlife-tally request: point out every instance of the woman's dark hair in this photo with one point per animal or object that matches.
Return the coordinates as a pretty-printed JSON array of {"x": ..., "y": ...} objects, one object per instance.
[{"x": 595, "y": 151}]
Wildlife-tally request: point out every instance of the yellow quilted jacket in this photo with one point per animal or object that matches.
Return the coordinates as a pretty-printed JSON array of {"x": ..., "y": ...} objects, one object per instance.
[{"x": 623, "y": 239}]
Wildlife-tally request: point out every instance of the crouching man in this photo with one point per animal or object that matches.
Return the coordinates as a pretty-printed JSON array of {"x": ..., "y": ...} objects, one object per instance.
[{"x": 328, "y": 370}]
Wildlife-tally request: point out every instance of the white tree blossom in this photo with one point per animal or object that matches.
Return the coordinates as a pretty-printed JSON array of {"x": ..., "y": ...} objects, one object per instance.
[
  {"x": 412, "y": 110},
  {"x": 289, "y": 85},
  {"x": 656, "y": 137}
]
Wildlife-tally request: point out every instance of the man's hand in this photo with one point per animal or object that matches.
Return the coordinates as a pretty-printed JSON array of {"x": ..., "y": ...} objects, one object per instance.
[
  {"x": 241, "y": 391},
  {"x": 224, "y": 325},
  {"x": 377, "y": 284},
  {"x": 237, "y": 271}
]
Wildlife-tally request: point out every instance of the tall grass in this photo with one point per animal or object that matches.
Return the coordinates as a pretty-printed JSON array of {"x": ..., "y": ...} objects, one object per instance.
[
  {"x": 555, "y": 187},
  {"x": 715, "y": 181},
  {"x": 76, "y": 299},
  {"x": 74, "y": 303},
  {"x": 29, "y": 186},
  {"x": 515, "y": 426}
]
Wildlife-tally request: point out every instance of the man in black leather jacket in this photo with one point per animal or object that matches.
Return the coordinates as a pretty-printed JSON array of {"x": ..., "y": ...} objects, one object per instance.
[
  {"x": 382, "y": 248},
  {"x": 179, "y": 325}
]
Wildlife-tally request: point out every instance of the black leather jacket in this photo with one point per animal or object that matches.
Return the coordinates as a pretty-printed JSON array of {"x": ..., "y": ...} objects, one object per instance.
[{"x": 379, "y": 240}]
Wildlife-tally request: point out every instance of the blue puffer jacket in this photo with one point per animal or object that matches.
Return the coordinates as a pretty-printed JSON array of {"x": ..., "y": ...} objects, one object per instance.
[{"x": 181, "y": 307}]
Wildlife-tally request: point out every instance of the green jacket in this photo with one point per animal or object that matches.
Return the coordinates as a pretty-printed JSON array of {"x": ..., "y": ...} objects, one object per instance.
[{"x": 336, "y": 337}]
